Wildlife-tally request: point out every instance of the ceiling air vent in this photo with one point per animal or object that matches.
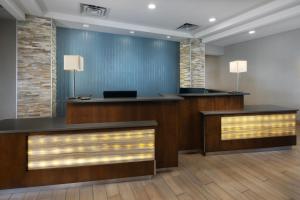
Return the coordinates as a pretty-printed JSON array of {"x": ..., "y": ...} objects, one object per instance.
[
  {"x": 92, "y": 10},
  {"x": 188, "y": 27}
]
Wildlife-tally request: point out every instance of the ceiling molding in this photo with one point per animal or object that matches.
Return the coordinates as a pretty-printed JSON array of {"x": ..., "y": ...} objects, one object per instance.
[
  {"x": 247, "y": 16},
  {"x": 13, "y": 9},
  {"x": 270, "y": 19},
  {"x": 33, "y": 7},
  {"x": 117, "y": 25}
]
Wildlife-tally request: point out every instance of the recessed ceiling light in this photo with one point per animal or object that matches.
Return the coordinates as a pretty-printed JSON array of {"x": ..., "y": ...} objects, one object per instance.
[
  {"x": 212, "y": 19},
  {"x": 168, "y": 37},
  {"x": 252, "y": 32},
  {"x": 132, "y": 32},
  {"x": 86, "y": 25},
  {"x": 151, "y": 6}
]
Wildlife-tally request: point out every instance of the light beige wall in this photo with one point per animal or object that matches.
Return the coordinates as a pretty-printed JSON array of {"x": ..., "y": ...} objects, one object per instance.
[
  {"x": 273, "y": 75},
  {"x": 8, "y": 68},
  {"x": 212, "y": 72}
]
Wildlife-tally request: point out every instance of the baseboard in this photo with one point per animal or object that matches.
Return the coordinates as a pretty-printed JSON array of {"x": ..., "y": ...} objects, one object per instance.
[
  {"x": 249, "y": 150},
  {"x": 72, "y": 185}
]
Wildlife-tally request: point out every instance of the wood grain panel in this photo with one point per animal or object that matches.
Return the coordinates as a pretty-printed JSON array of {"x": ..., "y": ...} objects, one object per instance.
[
  {"x": 190, "y": 122},
  {"x": 89, "y": 173},
  {"x": 14, "y": 172},
  {"x": 214, "y": 143},
  {"x": 165, "y": 113},
  {"x": 13, "y": 161}
]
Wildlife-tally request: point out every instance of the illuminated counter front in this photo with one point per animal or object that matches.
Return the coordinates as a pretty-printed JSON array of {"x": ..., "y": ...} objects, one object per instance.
[
  {"x": 252, "y": 127},
  {"x": 162, "y": 109},
  {"x": 93, "y": 148},
  {"x": 37, "y": 152},
  {"x": 257, "y": 126}
]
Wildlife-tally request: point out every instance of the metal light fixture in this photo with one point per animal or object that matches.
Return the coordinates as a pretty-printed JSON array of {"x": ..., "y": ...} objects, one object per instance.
[
  {"x": 238, "y": 66},
  {"x": 73, "y": 63}
]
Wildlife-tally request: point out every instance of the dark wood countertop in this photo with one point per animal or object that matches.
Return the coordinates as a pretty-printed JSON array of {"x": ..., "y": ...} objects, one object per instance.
[
  {"x": 58, "y": 124},
  {"x": 163, "y": 97},
  {"x": 248, "y": 109},
  {"x": 138, "y": 99},
  {"x": 213, "y": 94}
]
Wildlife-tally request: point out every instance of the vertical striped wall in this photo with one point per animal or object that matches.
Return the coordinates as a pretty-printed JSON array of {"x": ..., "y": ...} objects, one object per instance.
[{"x": 116, "y": 62}]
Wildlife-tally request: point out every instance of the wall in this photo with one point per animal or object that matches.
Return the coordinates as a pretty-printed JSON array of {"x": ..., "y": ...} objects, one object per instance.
[
  {"x": 36, "y": 74},
  {"x": 212, "y": 71},
  {"x": 8, "y": 68},
  {"x": 192, "y": 63},
  {"x": 273, "y": 75},
  {"x": 116, "y": 62},
  {"x": 213, "y": 50}
]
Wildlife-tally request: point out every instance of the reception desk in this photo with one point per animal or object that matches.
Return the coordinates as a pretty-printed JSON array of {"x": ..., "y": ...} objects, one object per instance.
[
  {"x": 177, "y": 116},
  {"x": 163, "y": 109},
  {"x": 46, "y": 151},
  {"x": 190, "y": 128},
  {"x": 249, "y": 128}
]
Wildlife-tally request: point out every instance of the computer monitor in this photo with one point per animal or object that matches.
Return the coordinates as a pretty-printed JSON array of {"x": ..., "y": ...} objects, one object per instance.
[
  {"x": 120, "y": 94},
  {"x": 191, "y": 90}
]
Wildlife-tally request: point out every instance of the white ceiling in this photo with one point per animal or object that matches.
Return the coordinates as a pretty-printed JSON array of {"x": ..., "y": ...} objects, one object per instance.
[
  {"x": 234, "y": 17},
  {"x": 279, "y": 27},
  {"x": 169, "y": 14}
]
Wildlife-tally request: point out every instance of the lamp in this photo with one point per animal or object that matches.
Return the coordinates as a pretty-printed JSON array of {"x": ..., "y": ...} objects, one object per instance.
[
  {"x": 73, "y": 63},
  {"x": 238, "y": 66}
]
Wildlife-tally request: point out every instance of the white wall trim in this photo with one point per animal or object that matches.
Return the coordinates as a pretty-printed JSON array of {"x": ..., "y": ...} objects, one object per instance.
[
  {"x": 114, "y": 24},
  {"x": 33, "y": 7},
  {"x": 270, "y": 19},
  {"x": 247, "y": 16},
  {"x": 13, "y": 9}
]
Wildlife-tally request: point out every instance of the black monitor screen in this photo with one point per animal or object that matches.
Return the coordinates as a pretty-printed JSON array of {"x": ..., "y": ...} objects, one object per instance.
[
  {"x": 191, "y": 90},
  {"x": 120, "y": 94}
]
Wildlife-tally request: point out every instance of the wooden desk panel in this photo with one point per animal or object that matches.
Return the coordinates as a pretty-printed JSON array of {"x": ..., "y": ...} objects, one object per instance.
[
  {"x": 190, "y": 122},
  {"x": 14, "y": 172},
  {"x": 212, "y": 135},
  {"x": 164, "y": 112}
]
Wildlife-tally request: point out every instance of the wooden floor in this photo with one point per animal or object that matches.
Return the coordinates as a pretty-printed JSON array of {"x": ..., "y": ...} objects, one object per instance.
[{"x": 244, "y": 176}]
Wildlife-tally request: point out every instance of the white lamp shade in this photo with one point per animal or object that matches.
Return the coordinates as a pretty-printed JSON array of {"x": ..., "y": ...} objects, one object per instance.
[
  {"x": 73, "y": 62},
  {"x": 238, "y": 66}
]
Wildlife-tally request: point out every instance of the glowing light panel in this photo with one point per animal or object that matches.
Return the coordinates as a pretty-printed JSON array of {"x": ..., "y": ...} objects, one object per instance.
[
  {"x": 257, "y": 126},
  {"x": 73, "y": 150}
]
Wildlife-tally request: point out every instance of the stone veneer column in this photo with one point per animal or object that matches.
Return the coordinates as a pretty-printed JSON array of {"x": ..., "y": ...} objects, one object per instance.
[
  {"x": 53, "y": 67},
  {"x": 192, "y": 63},
  {"x": 36, "y": 69}
]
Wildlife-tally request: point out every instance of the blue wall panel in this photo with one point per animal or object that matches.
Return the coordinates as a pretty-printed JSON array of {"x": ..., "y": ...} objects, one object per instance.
[{"x": 116, "y": 62}]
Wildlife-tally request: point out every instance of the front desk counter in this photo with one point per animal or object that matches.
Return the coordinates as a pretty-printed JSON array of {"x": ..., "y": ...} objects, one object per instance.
[
  {"x": 163, "y": 109},
  {"x": 193, "y": 103},
  {"x": 253, "y": 127},
  {"x": 47, "y": 151}
]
